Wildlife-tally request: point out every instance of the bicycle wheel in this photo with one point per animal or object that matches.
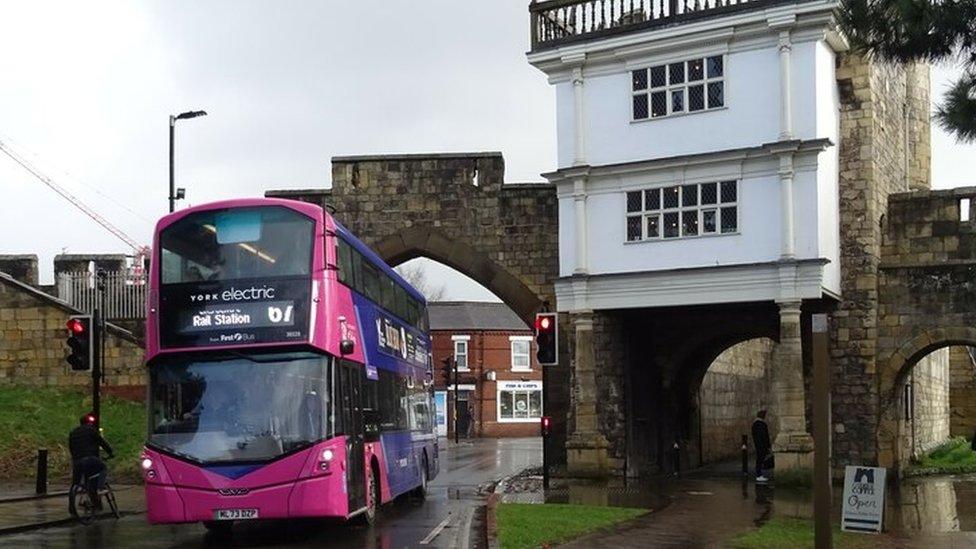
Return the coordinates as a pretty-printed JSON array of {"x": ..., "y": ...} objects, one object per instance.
[
  {"x": 73, "y": 499},
  {"x": 84, "y": 503},
  {"x": 110, "y": 498}
]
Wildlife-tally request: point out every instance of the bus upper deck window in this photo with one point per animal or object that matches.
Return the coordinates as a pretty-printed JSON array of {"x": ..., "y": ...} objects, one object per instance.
[{"x": 238, "y": 226}]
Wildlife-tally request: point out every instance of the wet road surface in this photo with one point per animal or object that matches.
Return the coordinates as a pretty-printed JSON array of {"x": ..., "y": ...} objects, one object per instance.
[{"x": 452, "y": 515}]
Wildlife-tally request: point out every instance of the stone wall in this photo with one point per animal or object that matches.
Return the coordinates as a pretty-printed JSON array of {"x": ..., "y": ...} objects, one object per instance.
[
  {"x": 32, "y": 344},
  {"x": 735, "y": 387},
  {"x": 930, "y": 382},
  {"x": 962, "y": 392},
  {"x": 884, "y": 149},
  {"x": 610, "y": 346},
  {"x": 927, "y": 299}
]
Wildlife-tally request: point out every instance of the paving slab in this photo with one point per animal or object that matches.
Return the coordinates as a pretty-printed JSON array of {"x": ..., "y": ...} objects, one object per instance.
[{"x": 26, "y": 514}]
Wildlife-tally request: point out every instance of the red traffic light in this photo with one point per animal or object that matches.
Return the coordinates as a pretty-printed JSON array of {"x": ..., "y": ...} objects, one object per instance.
[
  {"x": 544, "y": 322},
  {"x": 546, "y": 423},
  {"x": 76, "y": 326}
]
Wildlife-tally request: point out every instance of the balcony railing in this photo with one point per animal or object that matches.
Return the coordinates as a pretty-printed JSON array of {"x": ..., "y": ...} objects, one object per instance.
[
  {"x": 125, "y": 294},
  {"x": 556, "y": 22}
]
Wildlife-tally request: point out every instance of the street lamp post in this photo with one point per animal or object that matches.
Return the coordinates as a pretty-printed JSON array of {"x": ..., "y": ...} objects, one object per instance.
[{"x": 172, "y": 126}]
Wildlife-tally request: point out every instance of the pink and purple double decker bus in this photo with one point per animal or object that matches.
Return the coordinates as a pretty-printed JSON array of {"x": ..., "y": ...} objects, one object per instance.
[{"x": 289, "y": 370}]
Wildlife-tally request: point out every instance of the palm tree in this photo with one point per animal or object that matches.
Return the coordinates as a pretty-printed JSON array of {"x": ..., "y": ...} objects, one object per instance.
[{"x": 922, "y": 30}]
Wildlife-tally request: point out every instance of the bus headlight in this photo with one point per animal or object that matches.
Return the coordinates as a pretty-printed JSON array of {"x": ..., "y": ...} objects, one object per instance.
[
  {"x": 146, "y": 464},
  {"x": 327, "y": 454}
]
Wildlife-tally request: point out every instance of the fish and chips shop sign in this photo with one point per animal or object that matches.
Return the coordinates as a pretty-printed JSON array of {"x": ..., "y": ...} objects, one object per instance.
[{"x": 864, "y": 492}]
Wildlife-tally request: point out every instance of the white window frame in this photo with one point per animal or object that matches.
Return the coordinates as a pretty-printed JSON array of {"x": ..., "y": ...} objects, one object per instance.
[
  {"x": 683, "y": 87},
  {"x": 466, "y": 340},
  {"x": 528, "y": 354},
  {"x": 648, "y": 212},
  {"x": 531, "y": 419}
]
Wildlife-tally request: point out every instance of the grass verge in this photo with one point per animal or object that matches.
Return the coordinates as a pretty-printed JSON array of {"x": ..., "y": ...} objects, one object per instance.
[
  {"x": 42, "y": 417},
  {"x": 953, "y": 457},
  {"x": 534, "y": 525},
  {"x": 793, "y": 533},
  {"x": 793, "y": 478}
]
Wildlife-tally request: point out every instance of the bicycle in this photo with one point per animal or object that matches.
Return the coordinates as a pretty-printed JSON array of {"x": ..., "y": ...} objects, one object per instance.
[{"x": 84, "y": 504}]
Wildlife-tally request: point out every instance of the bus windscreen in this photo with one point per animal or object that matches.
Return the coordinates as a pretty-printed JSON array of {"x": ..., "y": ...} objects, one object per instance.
[
  {"x": 237, "y": 244},
  {"x": 234, "y": 408}
]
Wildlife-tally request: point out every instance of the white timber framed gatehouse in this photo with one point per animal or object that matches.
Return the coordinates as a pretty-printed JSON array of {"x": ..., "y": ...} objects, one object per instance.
[{"x": 699, "y": 190}]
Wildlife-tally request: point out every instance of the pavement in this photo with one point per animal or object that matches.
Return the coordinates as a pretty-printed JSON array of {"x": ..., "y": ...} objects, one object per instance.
[
  {"x": 695, "y": 511},
  {"x": 20, "y": 511},
  {"x": 452, "y": 516}
]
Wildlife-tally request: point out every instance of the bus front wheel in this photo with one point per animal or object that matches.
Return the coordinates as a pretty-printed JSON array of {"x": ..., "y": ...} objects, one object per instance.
[{"x": 372, "y": 498}]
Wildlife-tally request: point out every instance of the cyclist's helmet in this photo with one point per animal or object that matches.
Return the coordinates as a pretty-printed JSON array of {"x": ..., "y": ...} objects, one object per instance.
[{"x": 88, "y": 419}]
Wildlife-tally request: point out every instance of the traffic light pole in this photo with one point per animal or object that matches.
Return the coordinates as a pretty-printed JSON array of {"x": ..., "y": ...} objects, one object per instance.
[
  {"x": 98, "y": 356},
  {"x": 454, "y": 364},
  {"x": 96, "y": 368}
]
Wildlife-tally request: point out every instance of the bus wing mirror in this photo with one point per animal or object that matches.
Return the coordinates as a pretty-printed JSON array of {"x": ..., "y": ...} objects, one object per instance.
[{"x": 347, "y": 346}]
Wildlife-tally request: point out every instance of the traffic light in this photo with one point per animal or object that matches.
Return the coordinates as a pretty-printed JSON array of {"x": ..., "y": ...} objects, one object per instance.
[
  {"x": 80, "y": 338},
  {"x": 546, "y": 425},
  {"x": 448, "y": 370},
  {"x": 546, "y": 339}
]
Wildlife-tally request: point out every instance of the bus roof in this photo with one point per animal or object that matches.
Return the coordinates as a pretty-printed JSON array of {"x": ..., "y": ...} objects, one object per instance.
[{"x": 377, "y": 261}]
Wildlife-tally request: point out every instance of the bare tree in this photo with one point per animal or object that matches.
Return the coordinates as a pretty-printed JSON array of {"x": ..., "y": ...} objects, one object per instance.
[{"x": 417, "y": 277}]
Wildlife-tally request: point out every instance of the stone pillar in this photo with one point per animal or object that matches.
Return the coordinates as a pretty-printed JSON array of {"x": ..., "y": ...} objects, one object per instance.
[
  {"x": 22, "y": 267},
  {"x": 579, "y": 198},
  {"x": 586, "y": 448},
  {"x": 579, "y": 148},
  {"x": 793, "y": 445},
  {"x": 785, "y": 84}
]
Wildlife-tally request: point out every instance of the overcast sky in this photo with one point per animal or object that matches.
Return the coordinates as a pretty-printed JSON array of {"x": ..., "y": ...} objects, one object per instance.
[{"x": 86, "y": 90}]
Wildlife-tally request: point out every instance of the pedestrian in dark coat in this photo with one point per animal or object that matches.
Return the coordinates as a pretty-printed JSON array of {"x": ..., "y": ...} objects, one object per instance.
[{"x": 760, "y": 439}]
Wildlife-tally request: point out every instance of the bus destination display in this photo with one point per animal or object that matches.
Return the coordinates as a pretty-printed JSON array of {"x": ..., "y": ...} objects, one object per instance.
[{"x": 231, "y": 312}]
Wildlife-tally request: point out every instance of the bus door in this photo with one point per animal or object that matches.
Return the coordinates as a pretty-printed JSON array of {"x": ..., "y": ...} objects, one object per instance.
[{"x": 351, "y": 382}]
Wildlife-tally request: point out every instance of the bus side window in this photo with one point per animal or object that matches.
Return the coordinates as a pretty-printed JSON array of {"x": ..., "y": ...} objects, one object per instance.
[
  {"x": 372, "y": 281},
  {"x": 344, "y": 253},
  {"x": 389, "y": 295}
]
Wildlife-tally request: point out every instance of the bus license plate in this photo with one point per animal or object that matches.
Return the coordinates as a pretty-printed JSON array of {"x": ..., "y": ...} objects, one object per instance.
[{"x": 235, "y": 514}]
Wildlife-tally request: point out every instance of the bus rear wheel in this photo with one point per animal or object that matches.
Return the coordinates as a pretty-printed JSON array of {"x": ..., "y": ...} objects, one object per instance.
[{"x": 421, "y": 491}]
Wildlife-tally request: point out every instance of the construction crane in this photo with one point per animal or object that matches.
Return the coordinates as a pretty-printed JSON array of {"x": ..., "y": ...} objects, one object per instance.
[{"x": 141, "y": 250}]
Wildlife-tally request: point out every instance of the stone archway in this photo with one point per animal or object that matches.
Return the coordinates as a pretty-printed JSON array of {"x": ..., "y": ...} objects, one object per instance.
[
  {"x": 456, "y": 208},
  {"x": 893, "y": 433},
  {"x": 429, "y": 242}
]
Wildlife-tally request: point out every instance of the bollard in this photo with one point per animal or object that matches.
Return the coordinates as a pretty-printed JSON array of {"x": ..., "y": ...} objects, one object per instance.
[
  {"x": 677, "y": 457},
  {"x": 745, "y": 455},
  {"x": 41, "y": 487}
]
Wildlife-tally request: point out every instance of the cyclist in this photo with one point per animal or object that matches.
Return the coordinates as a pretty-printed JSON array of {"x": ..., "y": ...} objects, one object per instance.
[{"x": 84, "y": 442}]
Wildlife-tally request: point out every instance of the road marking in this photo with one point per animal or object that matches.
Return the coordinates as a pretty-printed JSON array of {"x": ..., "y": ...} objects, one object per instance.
[
  {"x": 437, "y": 530},
  {"x": 465, "y": 532}
]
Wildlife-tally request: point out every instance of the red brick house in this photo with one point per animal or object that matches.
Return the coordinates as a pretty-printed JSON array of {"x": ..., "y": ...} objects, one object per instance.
[{"x": 499, "y": 381}]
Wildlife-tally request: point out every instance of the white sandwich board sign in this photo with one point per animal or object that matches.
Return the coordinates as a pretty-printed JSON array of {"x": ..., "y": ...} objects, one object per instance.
[{"x": 864, "y": 492}]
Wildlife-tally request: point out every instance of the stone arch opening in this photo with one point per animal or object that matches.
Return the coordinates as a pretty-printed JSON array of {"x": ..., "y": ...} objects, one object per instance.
[
  {"x": 725, "y": 396},
  {"x": 669, "y": 353},
  {"x": 429, "y": 242},
  {"x": 916, "y": 392}
]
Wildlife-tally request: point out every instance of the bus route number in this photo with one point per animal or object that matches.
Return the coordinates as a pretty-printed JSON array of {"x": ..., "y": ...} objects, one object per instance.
[{"x": 277, "y": 315}]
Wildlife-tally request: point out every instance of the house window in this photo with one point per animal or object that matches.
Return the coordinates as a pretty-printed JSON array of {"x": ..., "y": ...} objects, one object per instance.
[
  {"x": 519, "y": 401},
  {"x": 678, "y": 88},
  {"x": 521, "y": 347},
  {"x": 682, "y": 211},
  {"x": 461, "y": 352}
]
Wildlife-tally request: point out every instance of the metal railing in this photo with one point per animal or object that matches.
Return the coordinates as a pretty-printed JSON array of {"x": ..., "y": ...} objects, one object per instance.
[
  {"x": 125, "y": 293},
  {"x": 557, "y": 21}
]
